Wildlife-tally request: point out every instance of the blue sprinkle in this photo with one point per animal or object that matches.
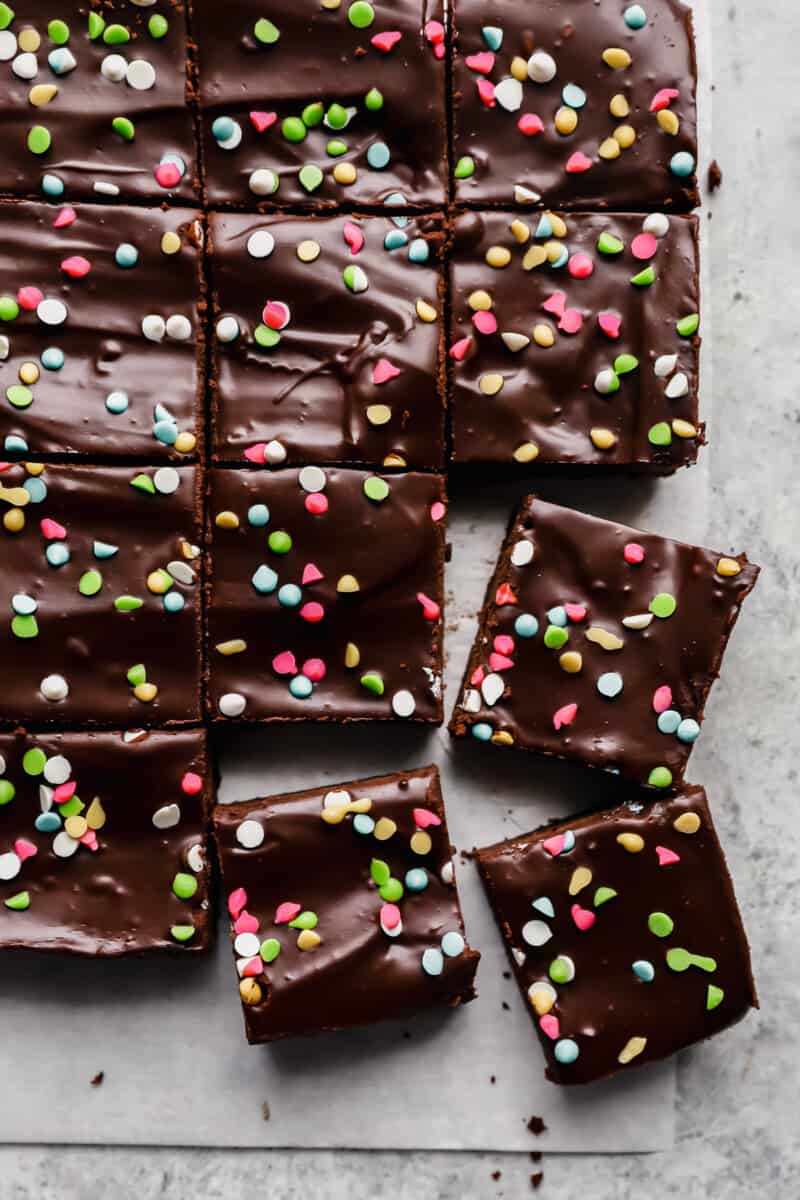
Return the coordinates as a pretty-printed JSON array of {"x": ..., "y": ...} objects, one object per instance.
[
  {"x": 363, "y": 823},
  {"x": 395, "y": 239},
  {"x": 60, "y": 60},
  {"x": 644, "y": 970},
  {"x": 24, "y": 605},
  {"x": 15, "y": 443},
  {"x": 561, "y": 260},
  {"x": 301, "y": 687},
  {"x": 258, "y": 515},
  {"x": 126, "y": 255},
  {"x": 165, "y": 432},
  {"x": 526, "y": 625},
  {"x": 416, "y": 879},
  {"x": 174, "y": 602},
  {"x": 104, "y": 549},
  {"x": 52, "y": 185},
  {"x": 545, "y": 227},
  {"x": 48, "y": 822},
  {"x": 452, "y": 944},
  {"x": 668, "y": 721},
  {"x": 57, "y": 554},
  {"x": 162, "y": 413},
  {"x": 569, "y": 842},
  {"x": 688, "y": 730},
  {"x": 265, "y": 580},
  {"x": 396, "y": 200},
  {"x": 566, "y": 1051},
  {"x": 36, "y": 489},
  {"x": 558, "y": 616},
  {"x": 493, "y": 36},
  {"x": 573, "y": 96},
  {"x": 482, "y": 731},
  {"x": 544, "y": 905},
  {"x": 117, "y": 402},
  {"x": 419, "y": 251},
  {"x": 635, "y": 16},
  {"x": 610, "y": 684},
  {"x": 290, "y": 595},
  {"x": 432, "y": 961},
  {"x": 682, "y": 164},
  {"x": 52, "y": 358},
  {"x": 378, "y": 156},
  {"x": 223, "y": 128}
]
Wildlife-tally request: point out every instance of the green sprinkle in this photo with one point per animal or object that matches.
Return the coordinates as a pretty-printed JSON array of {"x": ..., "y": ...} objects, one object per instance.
[
  {"x": 33, "y": 761},
  {"x": 680, "y": 960},
  {"x": 96, "y": 26},
  {"x": 157, "y": 26},
  {"x": 305, "y": 920},
  {"x": 270, "y": 949},
  {"x": 602, "y": 895},
  {"x": 714, "y": 996},
  {"x": 336, "y": 148},
  {"x": 136, "y": 675},
  {"x": 310, "y": 177},
  {"x": 144, "y": 484},
  {"x": 660, "y": 434},
  {"x": 279, "y": 542},
  {"x": 182, "y": 933},
  {"x": 373, "y": 100},
  {"x": 688, "y": 325},
  {"x": 336, "y": 116},
  {"x": 9, "y": 309},
  {"x": 127, "y": 603},
  {"x": 660, "y": 777},
  {"x": 184, "y": 886},
  {"x": 360, "y": 14},
  {"x": 72, "y": 807},
  {"x": 465, "y": 167},
  {"x": 644, "y": 278},
  {"x": 124, "y": 127},
  {"x": 265, "y": 32},
  {"x": 6, "y": 16},
  {"x": 392, "y": 890},
  {"x": 39, "y": 139},
  {"x": 90, "y": 583},
  {"x": 116, "y": 35},
  {"x": 293, "y": 129},
  {"x": 559, "y": 971},
  {"x": 24, "y": 627},
  {"x": 355, "y": 279},
  {"x": 20, "y": 902},
  {"x": 312, "y": 114},
  {"x": 373, "y": 683},
  {"x": 379, "y": 870},
  {"x": 624, "y": 363},
  {"x": 19, "y": 396},
  {"x": 266, "y": 337},
  {"x": 663, "y": 605},
  {"x": 7, "y": 791},
  {"x": 608, "y": 244},
  {"x": 376, "y": 489},
  {"x": 555, "y": 637},
  {"x": 57, "y": 31},
  {"x": 660, "y": 924}
]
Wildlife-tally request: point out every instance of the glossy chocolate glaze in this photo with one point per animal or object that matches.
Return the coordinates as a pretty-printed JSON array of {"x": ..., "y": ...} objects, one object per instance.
[
  {"x": 548, "y": 395},
  {"x": 321, "y": 57},
  {"x": 85, "y": 149},
  {"x": 606, "y": 1004},
  {"x": 313, "y": 390},
  {"x": 575, "y": 34},
  {"x": 394, "y": 550},
  {"x": 117, "y": 899},
  {"x": 84, "y": 638},
  {"x": 102, "y": 341},
  {"x": 578, "y": 559},
  {"x": 357, "y": 974}
]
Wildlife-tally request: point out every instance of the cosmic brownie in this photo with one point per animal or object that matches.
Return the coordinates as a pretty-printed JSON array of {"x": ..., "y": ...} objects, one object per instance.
[
  {"x": 93, "y": 100},
  {"x": 574, "y": 339},
  {"x": 103, "y": 841},
  {"x": 100, "y": 330},
  {"x": 327, "y": 342},
  {"x": 589, "y": 104},
  {"x": 600, "y": 643},
  {"x": 322, "y": 104},
  {"x": 343, "y": 905},
  {"x": 100, "y": 595},
  {"x": 624, "y": 934},
  {"x": 325, "y": 595}
]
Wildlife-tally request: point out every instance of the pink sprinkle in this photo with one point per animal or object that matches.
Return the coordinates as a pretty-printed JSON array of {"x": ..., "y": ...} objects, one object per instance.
[
  {"x": 667, "y": 857},
  {"x": 583, "y": 917},
  {"x": 76, "y": 266},
  {"x": 610, "y": 323},
  {"x": 276, "y": 314},
  {"x": 554, "y": 845},
  {"x": 313, "y": 612},
  {"x": 549, "y": 1026},
  {"x": 315, "y": 669},
  {"x": 663, "y": 99},
  {"x": 353, "y": 236},
  {"x": 662, "y": 698},
  {"x": 477, "y": 677},
  {"x": 564, "y": 715},
  {"x": 65, "y": 217},
  {"x": 459, "y": 349},
  {"x": 500, "y": 662},
  {"x": 438, "y": 50},
  {"x": 255, "y": 453},
  {"x": 504, "y": 643},
  {"x": 316, "y": 503},
  {"x": 284, "y": 663},
  {"x": 577, "y": 163},
  {"x": 286, "y": 912},
  {"x": 430, "y": 609},
  {"x": 529, "y": 124},
  {"x": 485, "y": 322},
  {"x": 237, "y": 901},
  {"x": 556, "y": 304},
  {"x": 437, "y": 510},
  {"x": 571, "y": 321},
  {"x": 246, "y": 923},
  {"x": 580, "y": 266},
  {"x": 29, "y": 298},
  {"x": 25, "y": 849},
  {"x": 167, "y": 175},
  {"x": 634, "y": 553},
  {"x": 486, "y": 92},
  {"x": 253, "y": 967},
  {"x": 384, "y": 370},
  {"x": 644, "y": 246},
  {"x": 424, "y": 818},
  {"x": 390, "y": 916},
  {"x": 434, "y": 32},
  {"x": 64, "y": 792},
  {"x": 505, "y": 594},
  {"x": 575, "y": 612},
  {"x": 191, "y": 783},
  {"x": 51, "y": 529},
  {"x": 89, "y": 839},
  {"x": 311, "y": 574},
  {"x": 482, "y": 63},
  {"x": 261, "y": 121},
  {"x": 385, "y": 41}
]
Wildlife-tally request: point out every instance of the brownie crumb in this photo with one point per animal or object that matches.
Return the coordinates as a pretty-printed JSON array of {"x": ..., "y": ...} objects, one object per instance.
[
  {"x": 536, "y": 1179},
  {"x": 265, "y": 1113},
  {"x": 496, "y": 1175},
  {"x": 98, "y": 1079},
  {"x": 536, "y": 1125},
  {"x": 536, "y": 1156},
  {"x": 714, "y": 175},
  {"x": 492, "y": 1079}
]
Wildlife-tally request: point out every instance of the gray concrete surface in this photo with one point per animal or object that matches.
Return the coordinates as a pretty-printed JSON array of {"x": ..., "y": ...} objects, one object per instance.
[{"x": 738, "y": 1123}]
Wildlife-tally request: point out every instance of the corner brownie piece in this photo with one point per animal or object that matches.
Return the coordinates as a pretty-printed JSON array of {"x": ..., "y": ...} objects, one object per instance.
[
  {"x": 101, "y": 341},
  {"x": 322, "y": 104},
  {"x": 588, "y": 105},
  {"x": 93, "y": 101},
  {"x": 624, "y": 934},
  {"x": 325, "y": 595},
  {"x": 600, "y": 643},
  {"x": 327, "y": 344},
  {"x": 100, "y": 594},
  {"x": 103, "y": 842},
  {"x": 574, "y": 339},
  {"x": 343, "y": 905}
]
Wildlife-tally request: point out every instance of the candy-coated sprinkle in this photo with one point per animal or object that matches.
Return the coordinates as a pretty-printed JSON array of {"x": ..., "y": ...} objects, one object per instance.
[
  {"x": 687, "y": 823},
  {"x": 632, "y": 1048},
  {"x": 714, "y": 996},
  {"x": 250, "y": 834},
  {"x": 602, "y": 895},
  {"x": 562, "y": 969},
  {"x": 632, "y": 842},
  {"x": 432, "y": 961},
  {"x": 663, "y": 605},
  {"x": 661, "y": 924}
]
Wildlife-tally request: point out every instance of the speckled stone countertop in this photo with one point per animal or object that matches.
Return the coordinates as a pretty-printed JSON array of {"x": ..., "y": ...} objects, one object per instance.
[{"x": 738, "y": 1130}]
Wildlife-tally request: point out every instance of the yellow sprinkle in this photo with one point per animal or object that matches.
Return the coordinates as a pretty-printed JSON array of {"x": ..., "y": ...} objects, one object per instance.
[
  {"x": 185, "y": 443},
  {"x": 189, "y": 551},
  {"x": 609, "y": 148},
  {"x": 519, "y": 68},
  {"x": 76, "y": 827},
  {"x": 480, "y": 301},
  {"x": 631, "y": 842},
  {"x": 684, "y": 429},
  {"x": 384, "y": 829},
  {"x": 234, "y": 646},
  {"x": 668, "y": 121},
  {"x": 352, "y": 655},
  {"x": 534, "y": 257},
  {"x": 28, "y": 372},
  {"x": 601, "y": 637},
  {"x": 498, "y": 256},
  {"x": 159, "y": 582},
  {"x": 625, "y": 135},
  {"x": 14, "y": 495},
  {"x": 394, "y": 460},
  {"x": 226, "y": 520},
  {"x": 347, "y": 583},
  {"x": 571, "y": 662},
  {"x": 309, "y": 251},
  {"x": 34, "y": 468},
  {"x": 379, "y": 414},
  {"x": 542, "y": 1000},
  {"x": 345, "y": 173},
  {"x": 616, "y": 58},
  {"x": 688, "y": 822},
  {"x": 603, "y": 439},
  {"x": 96, "y": 814},
  {"x": 618, "y": 106},
  {"x": 361, "y": 805},
  {"x": 526, "y": 452},
  {"x": 334, "y": 814},
  {"x": 502, "y": 738},
  {"x": 170, "y": 242},
  {"x": 521, "y": 231},
  {"x": 308, "y": 940},
  {"x": 558, "y": 223},
  {"x": 426, "y": 312},
  {"x": 566, "y": 121},
  {"x": 632, "y": 1047},
  {"x": 421, "y": 842},
  {"x": 250, "y": 991},
  {"x": 29, "y": 40},
  {"x": 331, "y": 4},
  {"x": 14, "y": 520},
  {"x": 146, "y": 692},
  {"x": 728, "y": 567},
  {"x": 42, "y": 93},
  {"x": 490, "y": 384},
  {"x": 553, "y": 250},
  {"x": 581, "y": 878},
  {"x": 543, "y": 336}
]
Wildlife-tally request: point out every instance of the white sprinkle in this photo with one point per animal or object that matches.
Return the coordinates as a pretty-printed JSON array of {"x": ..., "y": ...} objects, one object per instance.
[
  {"x": 336, "y": 799},
  {"x": 262, "y": 182},
  {"x": 664, "y": 365},
  {"x": 515, "y": 341},
  {"x": 250, "y": 834},
  {"x": 23, "y": 604},
  {"x": 179, "y": 328},
  {"x": 154, "y": 327},
  {"x": 403, "y": 703},
  {"x": 541, "y": 66},
  {"x": 5, "y": 347},
  {"x": 8, "y": 45},
  {"x": 166, "y": 817},
  {"x": 181, "y": 571},
  {"x": 472, "y": 700},
  {"x": 447, "y": 873},
  {"x": 518, "y": 956},
  {"x": 508, "y": 94},
  {"x": 64, "y": 846},
  {"x": 232, "y": 704},
  {"x": 604, "y": 380},
  {"x": 140, "y": 75},
  {"x": 312, "y": 479},
  {"x": 10, "y": 865},
  {"x": 274, "y": 452},
  {"x": 228, "y": 329},
  {"x": 260, "y": 244},
  {"x": 525, "y": 195},
  {"x": 247, "y": 945},
  {"x": 105, "y": 189},
  {"x": 522, "y": 553},
  {"x": 657, "y": 224},
  {"x": 492, "y": 688},
  {"x": 113, "y": 67},
  {"x": 195, "y": 858},
  {"x": 241, "y": 964},
  {"x": 232, "y": 142},
  {"x": 536, "y": 933},
  {"x": 678, "y": 386},
  {"x": 2, "y": 765},
  {"x": 638, "y": 621},
  {"x": 25, "y": 66},
  {"x": 166, "y": 481},
  {"x": 45, "y": 797},
  {"x": 54, "y": 687},
  {"x": 134, "y": 735},
  {"x": 51, "y": 312},
  {"x": 57, "y": 769}
]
